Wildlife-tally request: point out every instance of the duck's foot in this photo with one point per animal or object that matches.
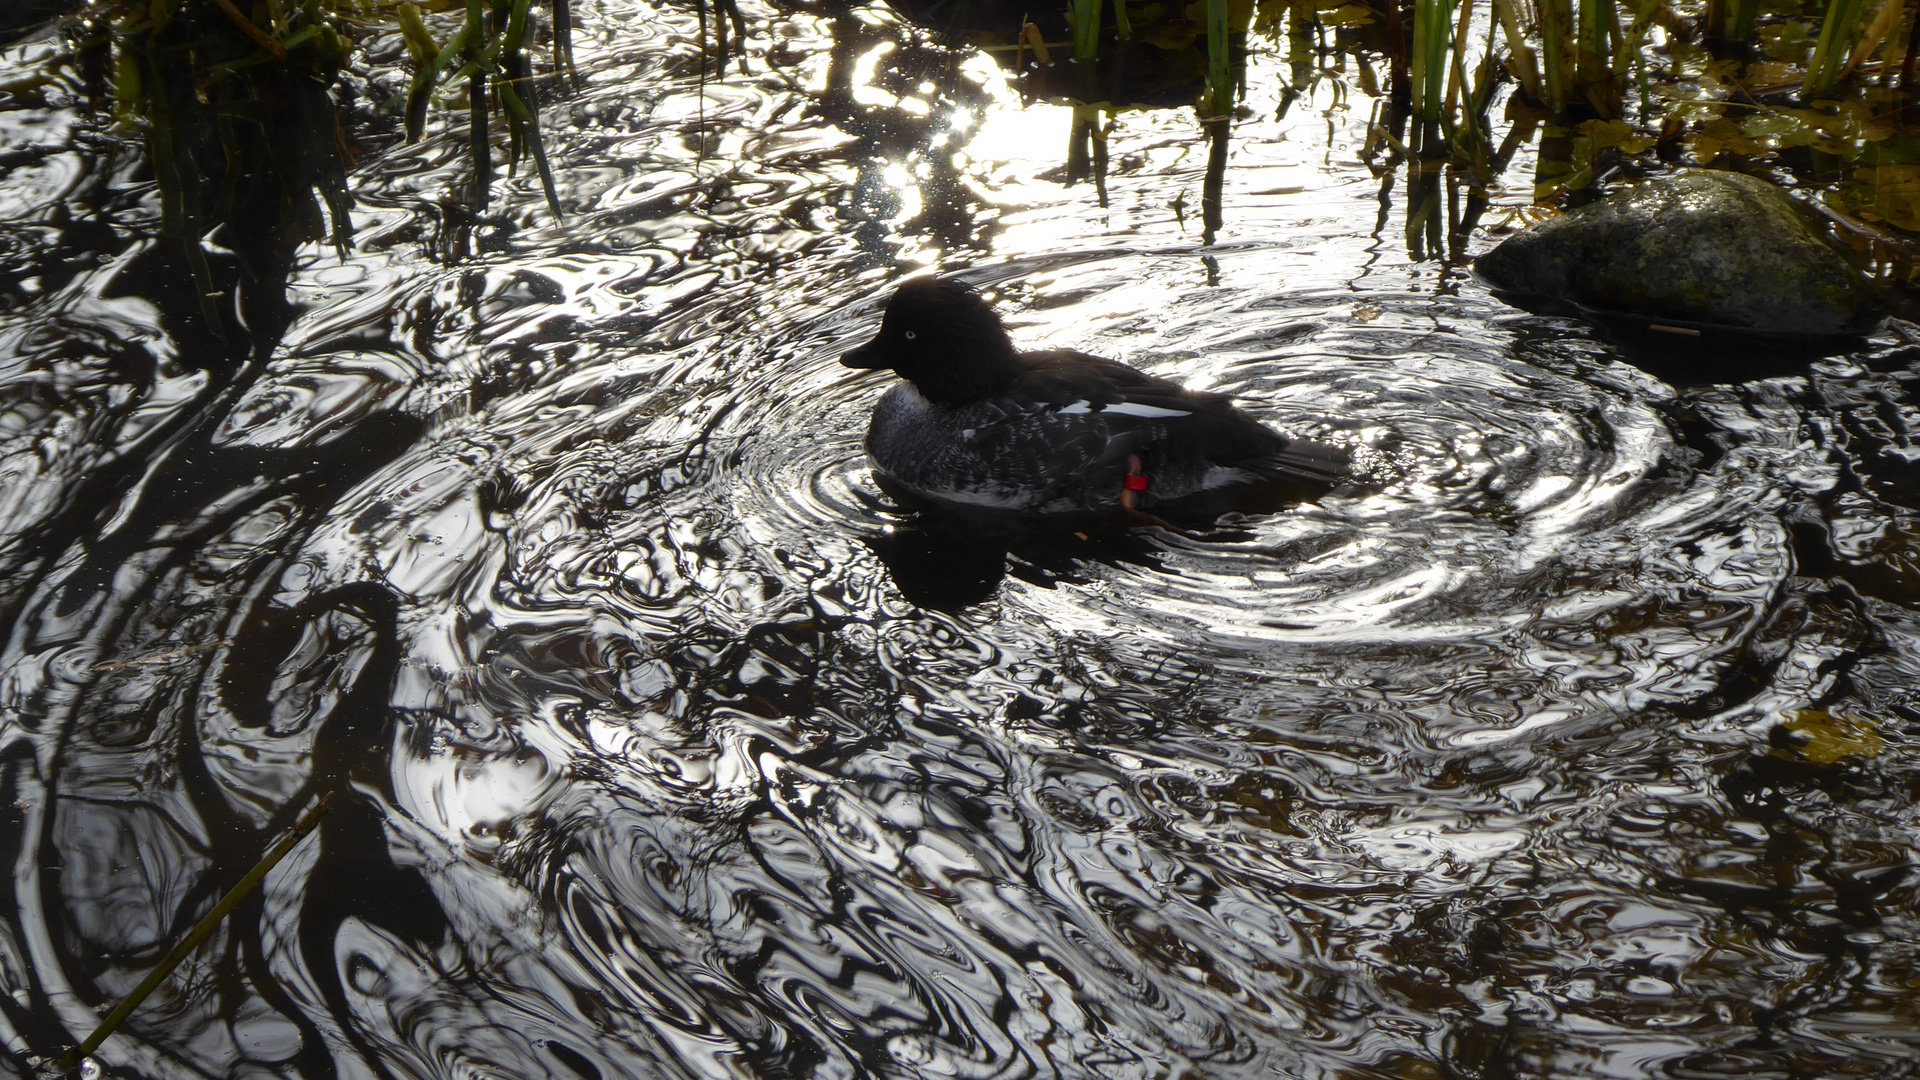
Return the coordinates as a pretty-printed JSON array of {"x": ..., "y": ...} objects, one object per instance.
[
  {"x": 1135, "y": 481},
  {"x": 1132, "y": 518},
  {"x": 1140, "y": 519}
]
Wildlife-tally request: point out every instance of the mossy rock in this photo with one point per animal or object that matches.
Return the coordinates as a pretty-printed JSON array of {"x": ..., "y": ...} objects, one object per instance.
[{"x": 1714, "y": 251}]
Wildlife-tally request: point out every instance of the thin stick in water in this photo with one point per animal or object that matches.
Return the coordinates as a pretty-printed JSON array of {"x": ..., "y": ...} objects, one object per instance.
[{"x": 200, "y": 932}]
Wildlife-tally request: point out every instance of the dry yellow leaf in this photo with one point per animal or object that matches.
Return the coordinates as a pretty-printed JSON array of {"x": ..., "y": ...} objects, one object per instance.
[{"x": 1830, "y": 737}]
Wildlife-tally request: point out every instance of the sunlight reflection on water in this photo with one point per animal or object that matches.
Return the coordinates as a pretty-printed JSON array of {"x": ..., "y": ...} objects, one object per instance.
[{"x": 669, "y": 745}]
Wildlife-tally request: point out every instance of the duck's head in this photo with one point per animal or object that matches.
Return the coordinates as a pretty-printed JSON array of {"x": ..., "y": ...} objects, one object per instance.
[{"x": 943, "y": 337}]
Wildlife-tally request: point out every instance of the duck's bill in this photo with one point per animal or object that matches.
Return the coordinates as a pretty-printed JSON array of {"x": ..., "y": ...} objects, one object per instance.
[{"x": 866, "y": 356}]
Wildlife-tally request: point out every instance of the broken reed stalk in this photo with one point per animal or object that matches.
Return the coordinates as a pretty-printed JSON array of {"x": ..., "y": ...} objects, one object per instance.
[
  {"x": 200, "y": 932},
  {"x": 1882, "y": 25}
]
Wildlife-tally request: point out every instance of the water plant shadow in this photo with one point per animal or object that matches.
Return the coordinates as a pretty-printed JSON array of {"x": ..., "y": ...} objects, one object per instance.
[
  {"x": 1693, "y": 356},
  {"x": 1686, "y": 354}
]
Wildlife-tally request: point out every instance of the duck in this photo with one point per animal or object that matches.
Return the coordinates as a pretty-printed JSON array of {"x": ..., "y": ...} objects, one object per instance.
[{"x": 977, "y": 423}]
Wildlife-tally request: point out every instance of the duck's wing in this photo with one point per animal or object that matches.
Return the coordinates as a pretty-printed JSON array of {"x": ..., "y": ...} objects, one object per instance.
[
  {"x": 1139, "y": 410},
  {"x": 1049, "y": 453},
  {"x": 1070, "y": 381}
]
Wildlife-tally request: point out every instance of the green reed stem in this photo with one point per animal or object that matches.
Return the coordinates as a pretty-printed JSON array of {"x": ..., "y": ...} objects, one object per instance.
[
  {"x": 1469, "y": 142},
  {"x": 1432, "y": 38},
  {"x": 200, "y": 932},
  {"x": 1838, "y": 31},
  {"x": 1220, "y": 97},
  {"x": 1086, "y": 29},
  {"x": 1556, "y": 52},
  {"x": 1599, "y": 21},
  {"x": 1732, "y": 19}
]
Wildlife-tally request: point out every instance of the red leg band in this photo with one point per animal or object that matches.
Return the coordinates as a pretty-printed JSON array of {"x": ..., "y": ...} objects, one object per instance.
[{"x": 1134, "y": 482}]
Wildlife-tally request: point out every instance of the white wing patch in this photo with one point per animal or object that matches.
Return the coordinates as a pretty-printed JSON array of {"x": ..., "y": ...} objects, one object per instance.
[
  {"x": 1125, "y": 408},
  {"x": 1146, "y": 412}
]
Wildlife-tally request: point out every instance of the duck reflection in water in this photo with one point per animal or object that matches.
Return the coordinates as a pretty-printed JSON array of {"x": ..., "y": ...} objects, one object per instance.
[
  {"x": 1082, "y": 442},
  {"x": 948, "y": 559}
]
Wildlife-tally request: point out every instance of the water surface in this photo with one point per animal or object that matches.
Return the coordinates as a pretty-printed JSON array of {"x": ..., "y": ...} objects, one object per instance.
[{"x": 1576, "y": 738}]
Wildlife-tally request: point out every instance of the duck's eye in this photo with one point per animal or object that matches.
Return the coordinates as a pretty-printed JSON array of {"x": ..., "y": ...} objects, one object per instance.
[{"x": 909, "y": 335}]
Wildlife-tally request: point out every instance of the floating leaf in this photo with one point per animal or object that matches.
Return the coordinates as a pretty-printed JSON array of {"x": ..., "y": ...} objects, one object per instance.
[
  {"x": 1601, "y": 134},
  {"x": 1830, "y": 737},
  {"x": 1720, "y": 74},
  {"x": 1348, "y": 15},
  {"x": 1789, "y": 41},
  {"x": 1891, "y": 152},
  {"x": 1889, "y": 193},
  {"x": 1868, "y": 122},
  {"x": 1797, "y": 127},
  {"x": 1773, "y": 73},
  {"x": 1722, "y": 136}
]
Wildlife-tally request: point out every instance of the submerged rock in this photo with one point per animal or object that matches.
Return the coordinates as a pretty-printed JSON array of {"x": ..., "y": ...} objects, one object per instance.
[{"x": 1712, "y": 251}]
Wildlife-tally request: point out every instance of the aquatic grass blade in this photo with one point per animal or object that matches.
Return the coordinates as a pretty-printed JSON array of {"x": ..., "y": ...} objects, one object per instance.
[
  {"x": 477, "y": 138},
  {"x": 1732, "y": 20},
  {"x": 562, "y": 14},
  {"x": 1417, "y": 56},
  {"x": 528, "y": 119},
  {"x": 259, "y": 36},
  {"x": 472, "y": 35},
  {"x": 516, "y": 35},
  {"x": 1459, "y": 30},
  {"x": 427, "y": 58}
]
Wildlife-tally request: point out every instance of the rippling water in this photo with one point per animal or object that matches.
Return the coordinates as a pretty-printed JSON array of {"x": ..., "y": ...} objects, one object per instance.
[{"x": 1576, "y": 737}]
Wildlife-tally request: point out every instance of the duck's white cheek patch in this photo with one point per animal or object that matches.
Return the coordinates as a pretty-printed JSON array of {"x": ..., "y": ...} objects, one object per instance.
[
  {"x": 1078, "y": 408},
  {"x": 1145, "y": 412}
]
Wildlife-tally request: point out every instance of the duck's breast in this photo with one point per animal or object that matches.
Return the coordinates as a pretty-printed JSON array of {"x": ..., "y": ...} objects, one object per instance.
[{"x": 924, "y": 447}]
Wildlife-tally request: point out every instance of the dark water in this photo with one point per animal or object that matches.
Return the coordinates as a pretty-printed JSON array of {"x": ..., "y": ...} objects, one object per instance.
[{"x": 1578, "y": 740}]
